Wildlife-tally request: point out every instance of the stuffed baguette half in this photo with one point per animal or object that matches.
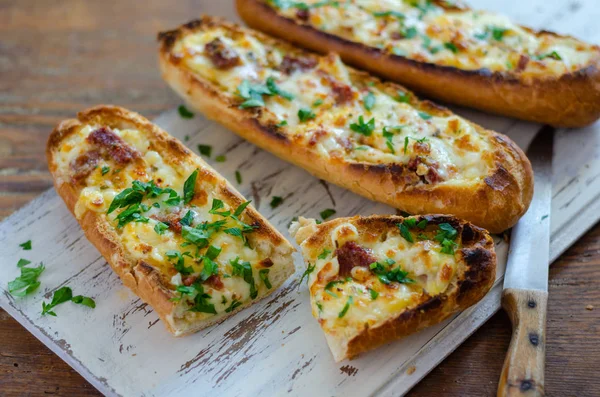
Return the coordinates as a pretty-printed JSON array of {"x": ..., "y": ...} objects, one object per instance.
[
  {"x": 174, "y": 230},
  {"x": 375, "y": 279},
  {"x": 449, "y": 52},
  {"x": 374, "y": 138}
]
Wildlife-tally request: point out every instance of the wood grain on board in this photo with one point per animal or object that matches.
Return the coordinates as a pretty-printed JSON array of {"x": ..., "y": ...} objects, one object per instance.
[{"x": 59, "y": 57}]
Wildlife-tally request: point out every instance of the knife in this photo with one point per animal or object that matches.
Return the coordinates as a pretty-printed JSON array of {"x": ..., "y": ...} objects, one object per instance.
[{"x": 525, "y": 293}]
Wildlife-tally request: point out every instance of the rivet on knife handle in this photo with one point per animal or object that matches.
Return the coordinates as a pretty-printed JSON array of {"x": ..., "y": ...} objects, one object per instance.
[{"x": 523, "y": 370}]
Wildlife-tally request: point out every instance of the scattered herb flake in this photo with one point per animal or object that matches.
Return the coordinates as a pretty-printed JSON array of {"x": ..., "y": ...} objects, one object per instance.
[
  {"x": 327, "y": 213},
  {"x": 346, "y": 307},
  {"x": 238, "y": 177},
  {"x": 264, "y": 276},
  {"x": 276, "y": 201},
  {"x": 369, "y": 101},
  {"x": 205, "y": 150},
  {"x": 305, "y": 115},
  {"x": 184, "y": 112},
  {"x": 220, "y": 159},
  {"x": 324, "y": 254},
  {"x": 104, "y": 170}
]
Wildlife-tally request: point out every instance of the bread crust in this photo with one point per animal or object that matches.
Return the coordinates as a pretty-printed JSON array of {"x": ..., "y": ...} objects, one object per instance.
[
  {"x": 496, "y": 203},
  {"x": 476, "y": 275},
  {"x": 571, "y": 100},
  {"x": 143, "y": 279}
]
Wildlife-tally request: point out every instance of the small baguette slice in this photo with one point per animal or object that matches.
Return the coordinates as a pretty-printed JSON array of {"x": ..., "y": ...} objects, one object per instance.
[
  {"x": 448, "y": 52},
  {"x": 345, "y": 126},
  {"x": 174, "y": 230},
  {"x": 376, "y": 279}
]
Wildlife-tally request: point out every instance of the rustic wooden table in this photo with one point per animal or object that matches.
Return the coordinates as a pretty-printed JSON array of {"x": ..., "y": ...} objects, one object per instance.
[{"x": 59, "y": 57}]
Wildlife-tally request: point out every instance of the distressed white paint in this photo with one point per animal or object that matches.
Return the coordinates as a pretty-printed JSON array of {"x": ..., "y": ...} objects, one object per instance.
[{"x": 275, "y": 346}]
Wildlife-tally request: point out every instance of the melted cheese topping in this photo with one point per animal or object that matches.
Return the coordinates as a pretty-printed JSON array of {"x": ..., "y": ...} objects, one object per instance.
[
  {"x": 456, "y": 37},
  {"x": 357, "y": 120},
  {"x": 140, "y": 240},
  {"x": 345, "y": 306}
]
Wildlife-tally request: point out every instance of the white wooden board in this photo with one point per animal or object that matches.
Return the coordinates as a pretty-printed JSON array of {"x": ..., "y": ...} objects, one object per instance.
[{"x": 274, "y": 347}]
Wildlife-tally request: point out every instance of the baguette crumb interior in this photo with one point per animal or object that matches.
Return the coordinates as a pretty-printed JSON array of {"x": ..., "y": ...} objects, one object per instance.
[
  {"x": 375, "y": 279},
  {"x": 176, "y": 232}
]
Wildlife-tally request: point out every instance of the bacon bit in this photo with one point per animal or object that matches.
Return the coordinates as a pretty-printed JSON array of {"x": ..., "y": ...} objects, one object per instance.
[
  {"x": 351, "y": 255},
  {"x": 266, "y": 262},
  {"x": 83, "y": 165},
  {"x": 215, "y": 282},
  {"x": 428, "y": 172},
  {"x": 344, "y": 142},
  {"x": 421, "y": 148},
  {"x": 290, "y": 64},
  {"x": 522, "y": 64},
  {"x": 171, "y": 219},
  {"x": 221, "y": 56},
  {"x": 303, "y": 15},
  {"x": 145, "y": 248},
  {"x": 316, "y": 137},
  {"x": 189, "y": 280},
  {"x": 432, "y": 175},
  {"x": 112, "y": 144},
  {"x": 342, "y": 93}
]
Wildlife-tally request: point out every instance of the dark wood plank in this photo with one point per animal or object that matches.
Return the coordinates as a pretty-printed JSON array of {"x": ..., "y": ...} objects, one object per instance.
[{"x": 60, "y": 57}]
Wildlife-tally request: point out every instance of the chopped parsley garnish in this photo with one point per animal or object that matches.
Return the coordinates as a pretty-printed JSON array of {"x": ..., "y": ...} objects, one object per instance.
[
  {"x": 160, "y": 228},
  {"x": 189, "y": 186},
  {"x": 276, "y": 201},
  {"x": 333, "y": 283},
  {"x": 409, "y": 33},
  {"x": 496, "y": 32},
  {"x": 234, "y": 305},
  {"x": 394, "y": 14},
  {"x": 26, "y": 245},
  {"x": 212, "y": 252},
  {"x": 306, "y": 273},
  {"x": 425, "y": 116},
  {"x": 363, "y": 128},
  {"x": 180, "y": 264},
  {"x": 403, "y": 97},
  {"x": 253, "y": 93},
  {"x": 209, "y": 269},
  {"x": 406, "y": 139},
  {"x": 205, "y": 150},
  {"x": 387, "y": 276},
  {"x": 362, "y": 148},
  {"x": 553, "y": 55},
  {"x": 324, "y": 254},
  {"x": 184, "y": 112},
  {"x": 346, "y": 307},
  {"x": 369, "y": 101},
  {"x": 422, "y": 224},
  {"x": 318, "y": 102},
  {"x": 305, "y": 115},
  {"x": 275, "y": 90},
  {"x": 220, "y": 159},
  {"x": 104, "y": 170},
  {"x": 244, "y": 270},
  {"x": 389, "y": 135},
  {"x": 452, "y": 47},
  {"x": 201, "y": 301},
  {"x": 281, "y": 123},
  {"x": 187, "y": 219},
  {"x": 238, "y": 177},
  {"x": 264, "y": 276},
  {"x": 327, "y": 213},
  {"x": 446, "y": 236},
  {"x": 62, "y": 295},
  {"x": 27, "y": 282},
  {"x": 404, "y": 232},
  {"x": 374, "y": 294}
]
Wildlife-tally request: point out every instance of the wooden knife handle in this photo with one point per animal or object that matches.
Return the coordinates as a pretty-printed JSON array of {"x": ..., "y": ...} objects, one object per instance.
[{"x": 523, "y": 370}]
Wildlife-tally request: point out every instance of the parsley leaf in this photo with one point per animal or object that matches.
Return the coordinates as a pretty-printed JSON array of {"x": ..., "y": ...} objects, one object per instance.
[
  {"x": 324, "y": 254},
  {"x": 209, "y": 269},
  {"x": 26, "y": 245},
  {"x": 452, "y": 47},
  {"x": 305, "y": 115},
  {"x": 27, "y": 282},
  {"x": 346, "y": 307},
  {"x": 425, "y": 116},
  {"x": 84, "y": 300},
  {"x": 374, "y": 294},
  {"x": 394, "y": 14},
  {"x": 244, "y": 270},
  {"x": 405, "y": 232},
  {"x": 105, "y": 169},
  {"x": 220, "y": 159},
  {"x": 189, "y": 186},
  {"x": 317, "y": 102},
  {"x": 272, "y": 86},
  {"x": 160, "y": 227},
  {"x": 306, "y": 273},
  {"x": 276, "y": 201},
  {"x": 205, "y": 150},
  {"x": 238, "y": 177},
  {"x": 180, "y": 264},
  {"x": 327, "y": 213},
  {"x": 369, "y": 101},
  {"x": 61, "y": 295},
  {"x": 281, "y": 123},
  {"x": 187, "y": 219},
  {"x": 234, "y": 305},
  {"x": 201, "y": 302},
  {"x": 403, "y": 97},
  {"x": 184, "y": 112},
  {"x": 264, "y": 276},
  {"x": 363, "y": 128},
  {"x": 553, "y": 55}
]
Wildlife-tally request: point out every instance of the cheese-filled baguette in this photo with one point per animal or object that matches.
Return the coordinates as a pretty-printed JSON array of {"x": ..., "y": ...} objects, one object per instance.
[
  {"x": 372, "y": 137},
  {"x": 375, "y": 279},
  {"x": 448, "y": 52},
  {"x": 174, "y": 230}
]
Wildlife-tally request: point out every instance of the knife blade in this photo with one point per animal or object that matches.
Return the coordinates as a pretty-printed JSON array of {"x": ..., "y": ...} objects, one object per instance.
[
  {"x": 527, "y": 266},
  {"x": 525, "y": 293}
]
